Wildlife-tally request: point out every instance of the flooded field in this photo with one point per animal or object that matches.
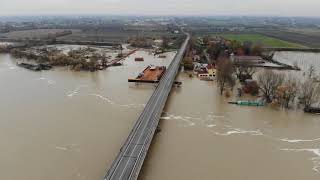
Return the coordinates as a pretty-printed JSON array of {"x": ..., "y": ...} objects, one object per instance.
[
  {"x": 302, "y": 59},
  {"x": 68, "y": 125}
]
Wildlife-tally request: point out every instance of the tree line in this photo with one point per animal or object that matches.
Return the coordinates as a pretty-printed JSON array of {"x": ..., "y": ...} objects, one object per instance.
[{"x": 274, "y": 87}]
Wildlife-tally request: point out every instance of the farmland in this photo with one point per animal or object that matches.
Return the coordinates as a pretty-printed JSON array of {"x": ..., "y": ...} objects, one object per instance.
[
  {"x": 308, "y": 38},
  {"x": 32, "y": 34},
  {"x": 261, "y": 39},
  {"x": 112, "y": 35}
]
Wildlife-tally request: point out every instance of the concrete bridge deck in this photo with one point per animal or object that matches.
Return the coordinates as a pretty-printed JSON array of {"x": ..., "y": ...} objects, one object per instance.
[{"x": 129, "y": 161}]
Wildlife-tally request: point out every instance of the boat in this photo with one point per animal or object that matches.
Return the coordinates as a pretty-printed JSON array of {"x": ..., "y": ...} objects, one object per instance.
[
  {"x": 117, "y": 64},
  {"x": 45, "y": 66},
  {"x": 248, "y": 103},
  {"x": 312, "y": 110},
  {"x": 35, "y": 67},
  {"x": 139, "y": 59},
  {"x": 151, "y": 74},
  {"x": 32, "y": 67}
]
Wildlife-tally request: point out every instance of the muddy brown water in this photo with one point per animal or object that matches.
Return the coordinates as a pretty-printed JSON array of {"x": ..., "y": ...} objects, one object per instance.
[{"x": 69, "y": 125}]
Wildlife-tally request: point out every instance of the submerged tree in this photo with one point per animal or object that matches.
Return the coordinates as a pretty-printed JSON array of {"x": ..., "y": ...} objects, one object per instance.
[
  {"x": 309, "y": 93},
  {"x": 269, "y": 82},
  {"x": 188, "y": 63},
  {"x": 311, "y": 71},
  {"x": 287, "y": 92},
  {"x": 244, "y": 72},
  {"x": 225, "y": 74}
]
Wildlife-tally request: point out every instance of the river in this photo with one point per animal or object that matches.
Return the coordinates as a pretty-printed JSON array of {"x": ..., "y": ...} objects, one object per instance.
[
  {"x": 203, "y": 137},
  {"x": 61, "y": 124}
]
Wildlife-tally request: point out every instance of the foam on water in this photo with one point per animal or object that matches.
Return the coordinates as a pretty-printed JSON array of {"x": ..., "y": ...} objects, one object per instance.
[
  {"x": 299, "y": 140},
  {"x": 133, "y": 105},
  {"x": 50, "y": 82},
  {"x": 211, "y": 125},
  {"x": 103, "y": 98},
  {"x": 71, "y": 147},
  {"x": 75, "y": 91},
  {"x": 234, "y": 131},
  {"x": 111, "y": 102},
  {"x": 187, "y": 121}
]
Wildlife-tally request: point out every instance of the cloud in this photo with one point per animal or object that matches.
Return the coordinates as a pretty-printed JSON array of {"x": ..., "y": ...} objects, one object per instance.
[{"x": 163, "y": 7}]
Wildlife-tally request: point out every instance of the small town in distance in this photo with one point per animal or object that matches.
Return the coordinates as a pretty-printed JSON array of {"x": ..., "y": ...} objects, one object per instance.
[{"x": 166, "y": 93}]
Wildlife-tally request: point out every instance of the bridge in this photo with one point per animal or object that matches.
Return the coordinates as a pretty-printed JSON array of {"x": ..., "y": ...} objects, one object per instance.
[{"x": 129, "y": 161}]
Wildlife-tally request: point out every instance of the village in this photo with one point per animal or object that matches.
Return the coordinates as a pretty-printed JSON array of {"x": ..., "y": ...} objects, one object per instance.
[{"x": 250, "y": 76}]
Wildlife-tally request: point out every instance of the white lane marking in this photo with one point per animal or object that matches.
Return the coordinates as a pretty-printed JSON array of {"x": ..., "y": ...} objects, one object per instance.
[
  {"x": 177, "y": 63},
  {"x": 165, "y": 85},
  {"x": 145, "y": 126}
]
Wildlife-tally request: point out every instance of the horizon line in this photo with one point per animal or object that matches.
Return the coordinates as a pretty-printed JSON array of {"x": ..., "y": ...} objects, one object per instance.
[{"x": 155, "y": 15}]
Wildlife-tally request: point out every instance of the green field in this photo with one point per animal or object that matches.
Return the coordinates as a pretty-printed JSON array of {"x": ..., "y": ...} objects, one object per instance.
[{"x": 257, "y": 38}]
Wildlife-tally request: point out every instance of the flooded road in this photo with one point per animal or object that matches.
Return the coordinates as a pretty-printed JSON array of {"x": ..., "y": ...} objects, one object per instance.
[{"x": 69, "y": 125}]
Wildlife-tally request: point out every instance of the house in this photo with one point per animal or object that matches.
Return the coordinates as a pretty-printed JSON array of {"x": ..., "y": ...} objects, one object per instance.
[{"x": 208, "y": 73}]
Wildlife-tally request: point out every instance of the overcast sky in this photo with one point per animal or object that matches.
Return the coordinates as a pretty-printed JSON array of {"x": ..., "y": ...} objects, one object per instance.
[{"x": 162, "y": 7}]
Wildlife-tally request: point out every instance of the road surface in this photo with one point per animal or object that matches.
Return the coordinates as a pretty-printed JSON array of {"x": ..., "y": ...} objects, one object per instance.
[{"x": 129, "y": 161}]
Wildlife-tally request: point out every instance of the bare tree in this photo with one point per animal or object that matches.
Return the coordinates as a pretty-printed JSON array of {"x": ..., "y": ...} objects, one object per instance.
[
  {"x": 244, "y": 72},
  {"x": 296, "y": 64},
  {"x": 311, "y": 71},
  {"x": 268, "y": 82},
  {"x": 287, "y": 92},
  {"x": 121, "y": 50},
  {"x": 309, "y": 93},
  {"x": 224, "y": 74},
  {"x": 165, "y": 42}
]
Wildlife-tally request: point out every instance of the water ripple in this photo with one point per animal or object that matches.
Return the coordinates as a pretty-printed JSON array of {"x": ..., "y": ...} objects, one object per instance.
[
  {"x": 108, "y": 100},
  {"x": 186, "y": 120},
  {"x": 299, "y": 140}
]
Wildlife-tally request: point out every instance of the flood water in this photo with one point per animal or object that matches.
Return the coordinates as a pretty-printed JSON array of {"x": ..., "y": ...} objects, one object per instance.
[
  {"x": 302, "y": 59},
  {"x": 69, "y": 125},
  {"x": 203, "y": 137}
]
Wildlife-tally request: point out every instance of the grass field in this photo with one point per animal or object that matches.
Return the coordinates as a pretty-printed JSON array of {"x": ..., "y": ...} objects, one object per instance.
[
  {"x": 113, "y": 35},
  {"x": 265, "y": 40},
  {"x": 308, "y": 38},
  {"x": 34, "y": 33}
]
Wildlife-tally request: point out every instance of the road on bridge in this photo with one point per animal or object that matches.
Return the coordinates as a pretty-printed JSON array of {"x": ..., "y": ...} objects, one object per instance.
[{"x": 128, "y": 163}]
